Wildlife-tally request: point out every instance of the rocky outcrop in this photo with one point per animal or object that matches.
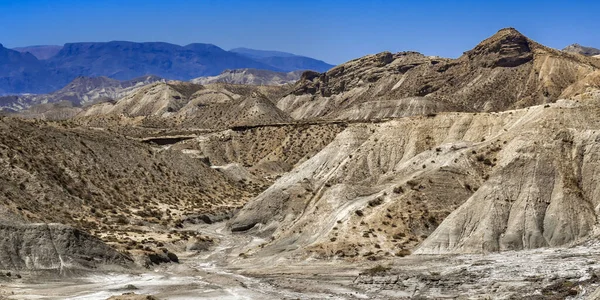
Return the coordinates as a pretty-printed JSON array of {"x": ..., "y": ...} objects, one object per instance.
[
  {"x": 583, "y": 50},
  {"x": 507, "y": 48},
  {"x": 132, "y": 296},
  {"x": 53, "y": 247}
]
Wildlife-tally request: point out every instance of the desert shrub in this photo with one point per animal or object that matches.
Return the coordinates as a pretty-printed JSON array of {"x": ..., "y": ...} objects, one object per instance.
[
  {"x": 398, "y": 235},
  {"x": 376, "y": 202},
  {"x": 398, "y": 190},
  {"x": 403, "y": 253},
  {"x": 376, "y": 270}
]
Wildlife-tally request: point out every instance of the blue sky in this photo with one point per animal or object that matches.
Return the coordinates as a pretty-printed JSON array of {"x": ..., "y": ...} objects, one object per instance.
[{"x": 334, "y": 31}]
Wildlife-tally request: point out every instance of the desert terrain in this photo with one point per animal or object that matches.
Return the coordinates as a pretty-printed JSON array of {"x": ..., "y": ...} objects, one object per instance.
[{"x": 391, "y": 176}]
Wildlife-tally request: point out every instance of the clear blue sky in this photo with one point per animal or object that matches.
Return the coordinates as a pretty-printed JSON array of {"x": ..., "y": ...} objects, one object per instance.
[{"x": 335, "y": 31}]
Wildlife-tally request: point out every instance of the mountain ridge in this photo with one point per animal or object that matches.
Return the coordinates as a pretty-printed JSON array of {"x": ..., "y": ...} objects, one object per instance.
[{"x": 505, "y": 71}]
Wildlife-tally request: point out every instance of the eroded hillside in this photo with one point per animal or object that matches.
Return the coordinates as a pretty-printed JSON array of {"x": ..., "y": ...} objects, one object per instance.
[
  {"x": 251, "y": 77},
  {"x": 266, "y": 152},
  {"x": 186, "y": 105},
  {"x": 117, "y": 188},
  {"x": 455, "y": 182}
]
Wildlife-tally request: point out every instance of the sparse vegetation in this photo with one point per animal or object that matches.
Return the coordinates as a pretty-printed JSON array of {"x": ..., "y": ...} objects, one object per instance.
[{"x": 377, "y": 270}]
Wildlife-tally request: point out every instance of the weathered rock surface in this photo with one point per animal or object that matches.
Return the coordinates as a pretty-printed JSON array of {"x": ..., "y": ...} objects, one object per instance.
[
  {"x": 583, "y": 50},
  {"x": 251, "y": 77},
  {"x": 520, "y": 179},
  {"x": 132, "y": 296},
  {"x": 53, "y": 247},
  {"x": 384, "y": 156},
  {"x": 544, "y": 192}
]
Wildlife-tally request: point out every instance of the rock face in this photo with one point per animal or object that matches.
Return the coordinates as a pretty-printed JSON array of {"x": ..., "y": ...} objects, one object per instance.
[
  {"x": 543, "y": 195},
  {"x": 587, "y": 51},
  {"x": 132, "y": 296},
  {"x": 53, "y": 247},
  {"x": 507, "y": 48},
  {"x": 505, "y": 71},
  {"x": 251, "y": 77}
]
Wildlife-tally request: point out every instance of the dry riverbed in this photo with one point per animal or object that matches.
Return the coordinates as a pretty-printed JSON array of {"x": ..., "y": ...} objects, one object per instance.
[{"x": 557, "y": 273}]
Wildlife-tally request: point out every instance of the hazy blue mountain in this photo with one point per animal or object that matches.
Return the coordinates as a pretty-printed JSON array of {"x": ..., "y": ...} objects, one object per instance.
[
  {"x": 14, "y": 62},
  {"x": 41, "y": 52},
  {"x": 283, "y": 60},
  {"x": 22, "y": 72},
  {"x": 126, "y": 60}
]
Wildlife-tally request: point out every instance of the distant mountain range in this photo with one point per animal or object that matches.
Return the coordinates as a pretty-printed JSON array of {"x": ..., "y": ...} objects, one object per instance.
[{"x": 43, "y": 69}]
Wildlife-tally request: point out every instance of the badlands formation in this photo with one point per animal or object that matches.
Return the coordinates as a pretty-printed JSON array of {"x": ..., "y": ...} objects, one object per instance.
[
  {"x": 390, "y": 176},
  {"x": 251, "y": 77}
]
